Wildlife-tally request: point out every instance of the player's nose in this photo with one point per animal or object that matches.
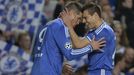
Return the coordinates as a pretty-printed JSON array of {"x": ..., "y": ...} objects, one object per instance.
[{"x": 83, "y": 20}]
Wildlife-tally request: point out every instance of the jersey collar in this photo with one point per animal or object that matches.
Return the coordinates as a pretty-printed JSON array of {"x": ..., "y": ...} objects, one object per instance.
[{"x": 100, "y": 28}]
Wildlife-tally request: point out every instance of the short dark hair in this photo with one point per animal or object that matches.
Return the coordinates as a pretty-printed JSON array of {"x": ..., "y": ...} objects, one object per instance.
[
  {"x": 74, "y": 5},
  {"x": 92, "y": 8}
]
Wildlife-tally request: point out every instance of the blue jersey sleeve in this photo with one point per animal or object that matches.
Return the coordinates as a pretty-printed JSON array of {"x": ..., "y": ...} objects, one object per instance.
[{"x": 64, "y": 44}]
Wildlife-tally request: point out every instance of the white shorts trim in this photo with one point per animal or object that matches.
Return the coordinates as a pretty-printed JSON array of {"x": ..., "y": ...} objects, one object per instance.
[{"x": 102, "y": 71}]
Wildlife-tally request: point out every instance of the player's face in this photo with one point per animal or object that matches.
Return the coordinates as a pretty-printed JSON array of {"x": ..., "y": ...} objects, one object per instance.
[
  {"x": 88, "y": 19},
  {"x": 77, "y": 17}
]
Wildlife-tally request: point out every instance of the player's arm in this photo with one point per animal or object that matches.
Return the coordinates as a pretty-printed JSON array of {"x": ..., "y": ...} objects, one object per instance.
[
  {"x": 76, "y": 41},
  {"x": 64, "y": 44},
  {"x": 82, "y": 42}
]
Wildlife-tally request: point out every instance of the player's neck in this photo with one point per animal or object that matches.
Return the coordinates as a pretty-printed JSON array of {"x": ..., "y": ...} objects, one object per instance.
[{"x": 98, "y": 23}]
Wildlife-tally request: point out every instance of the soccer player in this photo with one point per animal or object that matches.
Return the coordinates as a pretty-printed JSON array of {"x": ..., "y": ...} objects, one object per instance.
[
  {"x": 54, "y": 43},
  {"x": 99, "y": 62}
]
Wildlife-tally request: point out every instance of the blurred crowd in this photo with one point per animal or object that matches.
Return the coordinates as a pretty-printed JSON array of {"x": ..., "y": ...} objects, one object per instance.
[{"x": 119, "y": 14}]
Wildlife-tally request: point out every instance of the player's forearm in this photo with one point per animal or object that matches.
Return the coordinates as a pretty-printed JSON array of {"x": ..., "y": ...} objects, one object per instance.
[{"x": 76, "y": 41}]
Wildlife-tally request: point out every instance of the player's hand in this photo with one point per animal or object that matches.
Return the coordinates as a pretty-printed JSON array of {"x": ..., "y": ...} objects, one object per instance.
[
  {"x": 68, "y": 18},
  {"x": 67, "y": 69},
  {"x": 97, "y": 45}
]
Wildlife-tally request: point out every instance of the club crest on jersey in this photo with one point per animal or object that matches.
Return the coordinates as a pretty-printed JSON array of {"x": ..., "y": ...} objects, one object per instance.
[
  {"x": 68, "y": 45},
  {"x": 9, "y": 63},
  {"x": 15, "y": 13}
]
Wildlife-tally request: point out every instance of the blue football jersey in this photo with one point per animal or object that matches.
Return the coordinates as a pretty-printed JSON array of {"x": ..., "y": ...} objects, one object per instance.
[
  {"x": 54, "y": 43},
  {"x": 103, "y": 59}
]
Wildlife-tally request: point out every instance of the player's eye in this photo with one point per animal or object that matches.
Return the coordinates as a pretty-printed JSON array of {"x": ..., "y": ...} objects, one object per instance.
[
  {"x": 80, "y": 18},
  {"x": 84, "y": 17}
]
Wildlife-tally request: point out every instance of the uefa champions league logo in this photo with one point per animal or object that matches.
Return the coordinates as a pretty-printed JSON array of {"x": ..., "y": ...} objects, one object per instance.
[
  {"x": 9, "y": 64},
  {"x": 68, "y": 45}
]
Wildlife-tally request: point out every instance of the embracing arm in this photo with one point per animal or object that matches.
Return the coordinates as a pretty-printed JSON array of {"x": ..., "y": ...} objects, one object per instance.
[
  {"x": 76, "y": 41},
  {"x": 71, "y": 21}
]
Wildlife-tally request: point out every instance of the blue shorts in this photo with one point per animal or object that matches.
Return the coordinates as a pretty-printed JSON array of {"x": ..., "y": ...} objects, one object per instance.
[{"x": 100, "y": 72}]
